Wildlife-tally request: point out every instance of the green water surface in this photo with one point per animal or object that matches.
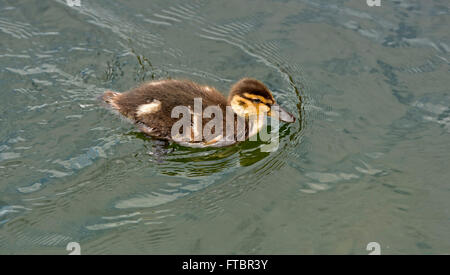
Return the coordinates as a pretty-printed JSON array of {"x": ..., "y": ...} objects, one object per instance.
[{"x": 366, "y": 161}]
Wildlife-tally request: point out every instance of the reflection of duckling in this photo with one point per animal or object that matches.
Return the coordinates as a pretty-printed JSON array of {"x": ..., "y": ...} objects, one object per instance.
[{"x": 150, "y": 106}]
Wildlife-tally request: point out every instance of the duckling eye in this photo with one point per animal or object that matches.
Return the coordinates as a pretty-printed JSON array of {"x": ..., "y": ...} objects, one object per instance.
[{"x": 256, "y": 100}]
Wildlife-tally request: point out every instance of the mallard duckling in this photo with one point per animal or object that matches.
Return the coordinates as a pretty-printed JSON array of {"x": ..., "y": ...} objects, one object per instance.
[{"x": 151, "y": 107}]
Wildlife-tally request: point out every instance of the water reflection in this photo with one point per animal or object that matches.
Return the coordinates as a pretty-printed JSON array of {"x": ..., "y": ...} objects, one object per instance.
[{"x": 175, "y": 159}]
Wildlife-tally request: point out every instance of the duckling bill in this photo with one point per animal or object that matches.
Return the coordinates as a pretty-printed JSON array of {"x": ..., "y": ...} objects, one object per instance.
[{"x": 151, "y": 106}]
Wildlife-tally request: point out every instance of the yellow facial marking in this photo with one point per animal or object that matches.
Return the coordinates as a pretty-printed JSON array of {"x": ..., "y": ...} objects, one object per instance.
[
  {"x": 264, "y": 100},
  {"x": 244, "y": 107},
  {"x": 263, "y": 108},
  {"x": 240, "y": 105}
]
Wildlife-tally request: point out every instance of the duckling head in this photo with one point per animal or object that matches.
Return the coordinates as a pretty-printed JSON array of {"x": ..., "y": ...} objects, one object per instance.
[{"x": 249, "y": 97}]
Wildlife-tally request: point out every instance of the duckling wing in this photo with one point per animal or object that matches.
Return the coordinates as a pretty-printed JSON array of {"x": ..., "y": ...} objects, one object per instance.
[{"x": 150, "y": 105}]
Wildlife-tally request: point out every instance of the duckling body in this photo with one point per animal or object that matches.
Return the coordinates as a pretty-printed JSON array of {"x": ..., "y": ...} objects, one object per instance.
[{"x": 150, "y": 105}]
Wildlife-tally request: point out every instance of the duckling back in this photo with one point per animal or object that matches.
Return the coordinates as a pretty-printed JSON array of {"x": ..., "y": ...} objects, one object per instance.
[{"x": 150, "y": 105}]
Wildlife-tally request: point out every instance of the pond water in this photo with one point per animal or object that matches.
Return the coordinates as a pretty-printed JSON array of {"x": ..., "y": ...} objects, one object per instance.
[{"x": 366, "y": 161}]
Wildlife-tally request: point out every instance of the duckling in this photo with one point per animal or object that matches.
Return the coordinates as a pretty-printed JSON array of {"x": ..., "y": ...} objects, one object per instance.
[{"x": 151, "y": 106}]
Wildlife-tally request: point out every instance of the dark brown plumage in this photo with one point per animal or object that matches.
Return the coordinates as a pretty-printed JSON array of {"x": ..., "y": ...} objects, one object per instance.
[
  {"x": 170, "y": 93},
  {"x": 250, "y": 86},
  {"x": 150, "y": 105}
]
